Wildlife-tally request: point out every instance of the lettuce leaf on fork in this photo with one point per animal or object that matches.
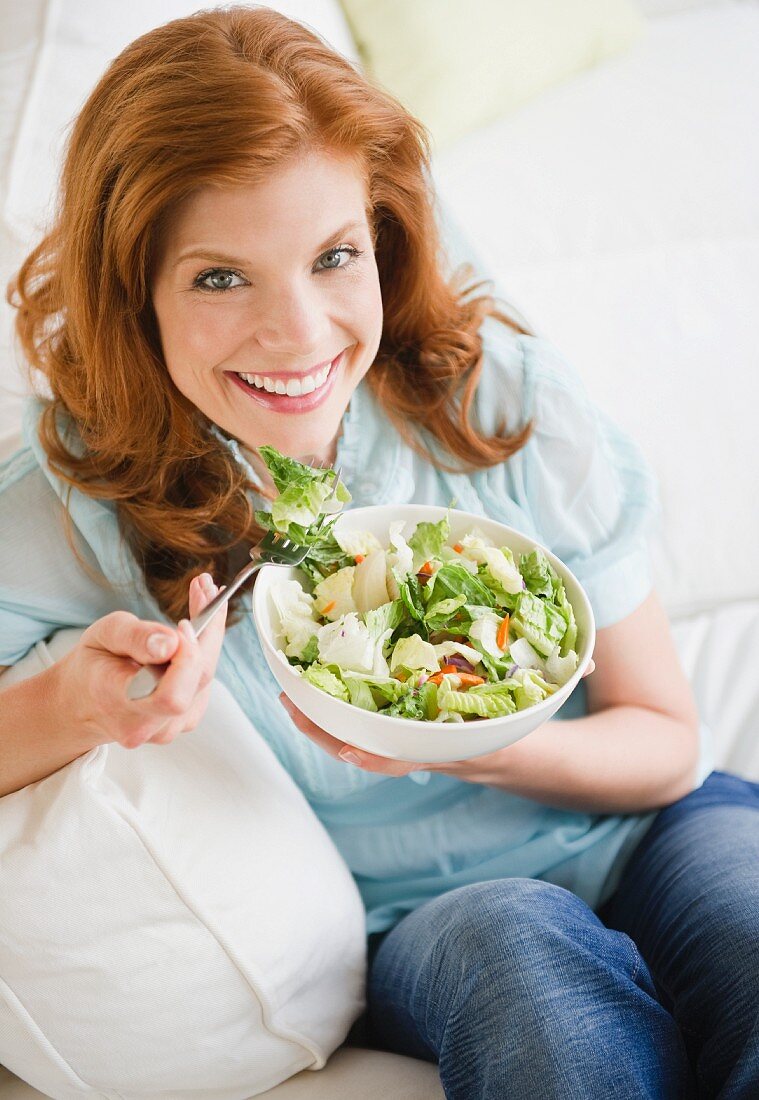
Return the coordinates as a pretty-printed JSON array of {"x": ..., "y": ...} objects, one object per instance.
[{"x": 303, "y": 499}]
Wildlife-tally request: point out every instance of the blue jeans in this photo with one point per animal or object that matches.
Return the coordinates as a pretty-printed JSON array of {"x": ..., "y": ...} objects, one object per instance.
[{"x": 516, "y": 988}]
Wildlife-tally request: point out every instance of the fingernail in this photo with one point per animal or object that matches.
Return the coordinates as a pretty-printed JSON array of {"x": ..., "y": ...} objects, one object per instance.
[
  {"x": 158, "y": 646},
  {"x": 206, "y": 581},
  {"x": 349, "y": 757},
  {"x": 185, "y": 627}
]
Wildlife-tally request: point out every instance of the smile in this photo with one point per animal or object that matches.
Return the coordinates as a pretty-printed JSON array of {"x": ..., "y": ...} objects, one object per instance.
[
  {"x": 289, "y": 393},
  {"x": 294, "y": 386}
]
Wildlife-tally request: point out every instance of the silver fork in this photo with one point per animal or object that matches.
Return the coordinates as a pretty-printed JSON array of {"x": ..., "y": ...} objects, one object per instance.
[{"x": 273, "y": 549}]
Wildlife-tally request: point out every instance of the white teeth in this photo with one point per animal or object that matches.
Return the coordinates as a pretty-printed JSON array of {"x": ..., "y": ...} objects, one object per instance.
[{"x": 294, "y": 387}]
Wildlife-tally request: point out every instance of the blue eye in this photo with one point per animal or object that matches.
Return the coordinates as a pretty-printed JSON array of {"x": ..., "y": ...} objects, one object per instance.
[
  {"x": 218, "y": 278},
  {"x": 335, "y": 253}
]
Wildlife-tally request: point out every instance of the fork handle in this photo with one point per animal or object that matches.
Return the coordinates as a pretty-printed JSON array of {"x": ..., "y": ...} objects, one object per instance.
[
  {"x": 201, "y": 621},
  {"x": 147, "y": 679}
]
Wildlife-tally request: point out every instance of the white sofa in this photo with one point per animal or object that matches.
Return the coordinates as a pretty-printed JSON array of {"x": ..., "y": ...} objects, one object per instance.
[{"x": 619, "y": 213}]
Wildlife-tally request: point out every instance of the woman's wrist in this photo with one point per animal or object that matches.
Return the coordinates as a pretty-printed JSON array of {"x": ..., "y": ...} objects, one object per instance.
[
  {"x": 623, "y": 759},
  {"x": 502, "y": 768},
  {"x": 37, "y": 734},
  {"x": 72, "y": 730}
]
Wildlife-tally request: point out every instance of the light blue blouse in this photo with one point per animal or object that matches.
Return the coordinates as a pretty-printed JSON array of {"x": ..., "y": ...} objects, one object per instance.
[{"x": 579, "y": 486}]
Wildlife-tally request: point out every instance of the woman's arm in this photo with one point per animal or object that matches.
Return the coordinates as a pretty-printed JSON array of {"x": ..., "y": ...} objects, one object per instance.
[
  {"x": 636, "y": 750},
  {"x": 33, "y": 741}
]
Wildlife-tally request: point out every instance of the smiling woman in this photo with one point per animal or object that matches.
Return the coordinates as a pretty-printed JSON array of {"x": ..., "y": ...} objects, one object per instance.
[
  {"x": 188, "y": 260},
  {"x": 247, "y": 253}
]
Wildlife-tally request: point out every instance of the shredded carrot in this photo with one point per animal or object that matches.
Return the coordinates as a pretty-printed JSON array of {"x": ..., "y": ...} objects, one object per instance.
[
  {"x": 502, "y": 637},
  {"x": 426, "y": 568},
  {"x": 468, "y": 679},
  {"x": 359, "y": 558},
  {"x": 329, "y": 607},
  {"x": 458, "y": 548}
]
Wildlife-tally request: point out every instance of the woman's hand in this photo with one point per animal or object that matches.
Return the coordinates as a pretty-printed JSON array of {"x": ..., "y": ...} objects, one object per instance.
[
  {"x": 94, "y": 676},
  {"x": 383, "y": 764}
]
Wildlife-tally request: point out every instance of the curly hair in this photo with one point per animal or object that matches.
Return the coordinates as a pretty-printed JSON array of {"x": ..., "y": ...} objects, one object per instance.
[{"x": 222, "y": 97}]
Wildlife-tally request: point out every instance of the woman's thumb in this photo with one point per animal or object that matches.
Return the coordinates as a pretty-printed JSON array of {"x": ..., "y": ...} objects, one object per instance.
[
  {"x": 124, "y": 635},
  {"x": 160, "y": 645}
]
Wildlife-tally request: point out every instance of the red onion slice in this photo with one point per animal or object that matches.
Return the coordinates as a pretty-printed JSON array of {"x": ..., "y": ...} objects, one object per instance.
[{"x": 460, "y": 662}]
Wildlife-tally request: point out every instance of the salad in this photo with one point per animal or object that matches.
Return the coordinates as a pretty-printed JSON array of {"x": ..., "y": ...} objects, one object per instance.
[{"x": 424, "y": 627}]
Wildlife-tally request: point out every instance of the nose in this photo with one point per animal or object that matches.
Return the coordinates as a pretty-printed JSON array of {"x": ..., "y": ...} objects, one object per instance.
[{"x": 293, "y": 320}]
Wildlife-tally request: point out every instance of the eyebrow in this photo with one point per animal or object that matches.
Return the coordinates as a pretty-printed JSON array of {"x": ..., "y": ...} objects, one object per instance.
[{"x": 236, "y": 261}]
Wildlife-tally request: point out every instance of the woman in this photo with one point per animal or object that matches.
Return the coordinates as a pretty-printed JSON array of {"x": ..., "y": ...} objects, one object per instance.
[{"x": 240, "y": 208}]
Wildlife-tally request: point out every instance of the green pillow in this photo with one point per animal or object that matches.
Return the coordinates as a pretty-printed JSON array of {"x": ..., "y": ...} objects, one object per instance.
[{"x": 457, "y": 64}]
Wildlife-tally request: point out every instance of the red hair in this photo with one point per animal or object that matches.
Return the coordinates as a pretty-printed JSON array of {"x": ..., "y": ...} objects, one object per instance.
[{"x": 223, "y": 97}]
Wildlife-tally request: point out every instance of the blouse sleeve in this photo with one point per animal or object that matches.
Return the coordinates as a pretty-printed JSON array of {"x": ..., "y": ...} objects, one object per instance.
[
  {"x": 593, "y": 498},
  {"x": 42, "y": 585}
]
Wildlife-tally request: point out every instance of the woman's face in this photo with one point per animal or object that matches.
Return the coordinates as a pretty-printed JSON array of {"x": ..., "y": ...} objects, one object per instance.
[{"x": 268, "y": 303}]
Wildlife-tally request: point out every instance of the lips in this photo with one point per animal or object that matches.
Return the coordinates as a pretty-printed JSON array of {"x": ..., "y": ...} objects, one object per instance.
[{"x": 282, "y": 403}]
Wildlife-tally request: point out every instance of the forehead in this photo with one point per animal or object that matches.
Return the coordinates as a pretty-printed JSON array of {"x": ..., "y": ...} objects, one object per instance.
[{"x": 309, "y": 197}]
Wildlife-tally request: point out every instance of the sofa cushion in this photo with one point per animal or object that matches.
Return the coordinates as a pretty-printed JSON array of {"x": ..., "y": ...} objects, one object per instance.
[
  {"x": 456, "y": 65},
  {"x": 350, "y": 1072},
  {"x": 175, "y": 919},
  {"x": 719, "y": 650},
  {"x": 620, "y": 213}
]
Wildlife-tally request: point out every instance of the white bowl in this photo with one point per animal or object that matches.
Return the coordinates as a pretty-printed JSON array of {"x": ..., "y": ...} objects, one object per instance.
[{"x": 406, "y": 738}]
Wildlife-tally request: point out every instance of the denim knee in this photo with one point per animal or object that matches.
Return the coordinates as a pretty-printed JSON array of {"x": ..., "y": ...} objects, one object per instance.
[
  {"x": 507, "y": 978},
  {"x": 530, "y": 929},
  {"x": 509, "y": 940}
]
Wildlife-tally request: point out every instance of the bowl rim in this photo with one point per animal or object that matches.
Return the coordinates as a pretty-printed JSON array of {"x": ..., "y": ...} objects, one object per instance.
[{"x": 260, "y": 591}]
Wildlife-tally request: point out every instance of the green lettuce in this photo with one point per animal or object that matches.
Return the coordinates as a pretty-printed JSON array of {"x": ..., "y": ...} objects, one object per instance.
[
  {"x": 412, "y": 595},
  {"x": 446, "y": 615},
  {"x": 493, "y": 704},
  {"x": 539, "y": 621},
  {"x": 414, "y": 704},
  {"x": 302, "y": 490},
  {"x": 539, "y": 575},
  {"x": 452, "y": 580},
  {"x": 360, "y": 693},
  {"x": 533, "y": 689},
  {"x": 428, "y": 541},
  {"x": 384, "y": 689},
  {"x": 565, "y": 607},
  {"x": 414, "y": 653},
  {"x": 326, "y": 680}
]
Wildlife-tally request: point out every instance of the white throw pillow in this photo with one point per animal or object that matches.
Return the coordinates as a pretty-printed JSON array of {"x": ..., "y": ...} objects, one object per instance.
[{"x": 174, "y": 919}]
